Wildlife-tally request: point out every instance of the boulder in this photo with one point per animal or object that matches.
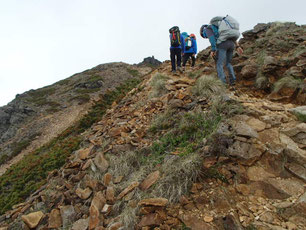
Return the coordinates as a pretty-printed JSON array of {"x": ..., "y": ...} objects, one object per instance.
[
  {"x": 244, "y": 130},
  {"x": 55, "y": 219},
  {"x": 249, "y": 71},
  {"x": 32, "y": 219},
  {"x": 83, "y": 193},
  {"x": 101, "y": 162}
]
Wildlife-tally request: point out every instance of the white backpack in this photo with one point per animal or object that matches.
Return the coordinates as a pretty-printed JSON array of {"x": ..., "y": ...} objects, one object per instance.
[{"x": 228, "y": 28}]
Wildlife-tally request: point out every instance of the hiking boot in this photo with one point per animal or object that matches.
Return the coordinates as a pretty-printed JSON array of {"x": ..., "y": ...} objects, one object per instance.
[{"x": 180, "y": 69}]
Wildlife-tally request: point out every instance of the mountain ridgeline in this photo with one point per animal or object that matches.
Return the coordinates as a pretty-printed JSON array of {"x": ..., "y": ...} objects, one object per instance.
[{"x": 137, "y": 147}]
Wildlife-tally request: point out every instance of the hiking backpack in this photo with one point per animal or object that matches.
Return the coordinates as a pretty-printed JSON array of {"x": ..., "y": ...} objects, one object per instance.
[
  {"x": 188, "y": 43},
  {"x": 175, "y": 36},
  {"x": 228, "y": 28}
]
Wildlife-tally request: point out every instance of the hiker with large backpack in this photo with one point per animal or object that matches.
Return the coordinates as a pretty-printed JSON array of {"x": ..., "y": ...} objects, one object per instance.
[
  {"x": 190, "y": 50},
  {"x": 223, "y": 33},
  {"x": 176, "y": 48}
]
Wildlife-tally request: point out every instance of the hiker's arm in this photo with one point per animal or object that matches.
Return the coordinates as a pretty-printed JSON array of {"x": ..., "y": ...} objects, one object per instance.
[
  {"x": 238, "y": 48},
  {"x": 212, "y": 41}
]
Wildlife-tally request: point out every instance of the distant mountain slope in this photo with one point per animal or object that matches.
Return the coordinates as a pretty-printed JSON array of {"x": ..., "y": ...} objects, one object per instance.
[{"x": 37, "y": 116}]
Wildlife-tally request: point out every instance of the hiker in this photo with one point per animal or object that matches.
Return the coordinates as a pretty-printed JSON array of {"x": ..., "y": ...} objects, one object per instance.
[
  {"x": 223, "y": 33},
  {"x": 190, "y": 50},
  {"x": 176, "y": 48}
]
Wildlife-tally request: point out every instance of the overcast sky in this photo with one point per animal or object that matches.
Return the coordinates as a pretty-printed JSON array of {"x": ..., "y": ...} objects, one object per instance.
[{"x": 44, "y": 41}]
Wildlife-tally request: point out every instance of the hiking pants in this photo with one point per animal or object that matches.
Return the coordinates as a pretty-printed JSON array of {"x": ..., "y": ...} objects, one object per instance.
[
  {"x": 186, "y": 56},
  {"x": 225, "y": 55},
  {"x": 175, "y": 53}
]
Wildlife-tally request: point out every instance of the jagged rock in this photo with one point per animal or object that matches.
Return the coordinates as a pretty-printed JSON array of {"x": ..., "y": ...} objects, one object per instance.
[
  {"x": 297, "y": 170},
  {"x": 289, "y": 186},
  {"x": 106, "y": 209},
  {"x": 83, "y": 153},
  {"x": 32, "y": 219},
  {"x": 83, "y": 193},
  {"x": 107, "y": 179},
  {"x": 55, "y": 219},
  {"x": 154, "y": 202},
  {"x": 243, "y": 129},
  {"x": 295, "y": 130},
  {"x": 81, "y": 224},
  {"x": 110, "y": 194},
  {"x": 194, "y": 223},
  {"x": 256, "y": 173},
  {"x": 249, "y": 153},
  {"x": 152, "y": 219},
  {"x": 150, "y": 61},
  {"x": 68, "y": 215},
  {"x": 150, "y": 180},
  {"x": 249, "y": 71},
  {"x": 270, "y": 63},
  {"x": 97, "y": 204},
  {"x": 130, "y": 188},
  {"x": 256, "y": 124},
  {"x": 292, "y": 150},
  {"x": 101, "y": 162}
]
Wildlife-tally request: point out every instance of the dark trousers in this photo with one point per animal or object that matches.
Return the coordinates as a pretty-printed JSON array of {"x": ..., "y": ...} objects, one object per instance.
[
  {"x": 175, "y": 54},
  {"x": 186, "y": 56}
]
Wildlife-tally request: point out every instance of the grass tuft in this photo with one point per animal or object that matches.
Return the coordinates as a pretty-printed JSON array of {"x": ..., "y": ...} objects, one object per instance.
[
  {"x": 289, "y": 82},
  {"x": 158, "y": 84},
  {"x": 208, "y": 86}
]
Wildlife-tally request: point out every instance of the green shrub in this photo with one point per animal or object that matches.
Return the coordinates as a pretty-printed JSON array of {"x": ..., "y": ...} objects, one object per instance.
[{"x": 133, "y": 72}]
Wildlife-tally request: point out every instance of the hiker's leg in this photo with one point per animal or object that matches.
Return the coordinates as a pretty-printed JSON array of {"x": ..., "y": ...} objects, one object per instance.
[
  {"x": 193, "y": 60},
  {"x": 220, "y": 61},
  {"x": 185, "y": 59},
  {"x": 229, "y": 56},
  {"x": 172, "y": 57},
  {"x": 179, "y": 57}
]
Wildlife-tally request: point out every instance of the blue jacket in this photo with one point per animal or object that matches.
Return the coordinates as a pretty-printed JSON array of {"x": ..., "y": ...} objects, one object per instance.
[
  {"x": 193, "y": 49},
  {"x": 182, "y": 46}
]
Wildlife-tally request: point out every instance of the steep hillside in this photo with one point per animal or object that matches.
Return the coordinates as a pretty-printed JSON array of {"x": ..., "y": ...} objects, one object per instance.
[
  {"x": 176, "y": 152},
  {"x": 37, "y": 116}
]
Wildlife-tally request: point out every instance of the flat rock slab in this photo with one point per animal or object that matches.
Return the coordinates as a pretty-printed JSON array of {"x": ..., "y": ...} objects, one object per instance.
[{"x": 154, "y": 202}]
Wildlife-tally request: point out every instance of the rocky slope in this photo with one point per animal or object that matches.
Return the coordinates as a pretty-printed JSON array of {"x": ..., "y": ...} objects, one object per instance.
[
  {"x": 25, "y": 122},
  {"x": 179, "y": 152}
]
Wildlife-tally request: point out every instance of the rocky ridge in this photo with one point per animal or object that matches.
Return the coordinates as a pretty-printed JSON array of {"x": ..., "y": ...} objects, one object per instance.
[
  {"x": 248, "y": 172},
  {"x": 257, "y": 181}
]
